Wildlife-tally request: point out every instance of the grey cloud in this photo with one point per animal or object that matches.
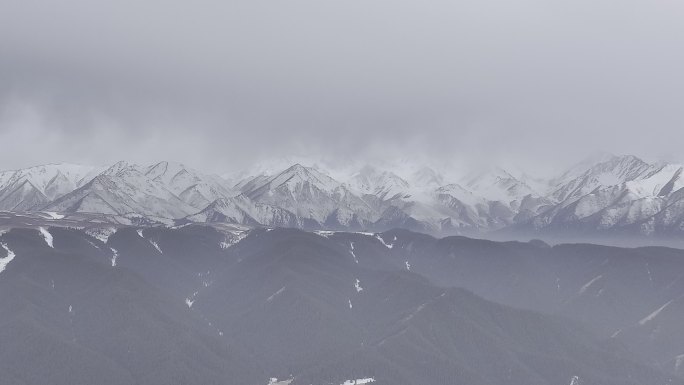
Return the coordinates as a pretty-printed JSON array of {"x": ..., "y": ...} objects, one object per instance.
[{"x": 221, "y": 84}]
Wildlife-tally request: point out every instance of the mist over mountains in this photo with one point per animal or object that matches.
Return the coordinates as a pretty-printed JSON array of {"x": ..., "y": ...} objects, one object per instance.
[
  {"x": 610, "y": 198},
  {"x": 341, "y": 192}
]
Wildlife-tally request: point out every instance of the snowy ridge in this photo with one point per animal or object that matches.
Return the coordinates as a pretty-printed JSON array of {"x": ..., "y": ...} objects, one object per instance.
[
  {"x": 386, "y": 185},
  {"x": 38, "y": 185},
  {"x": 621, "y": 194},
  {"x": 497, "y": 184}
]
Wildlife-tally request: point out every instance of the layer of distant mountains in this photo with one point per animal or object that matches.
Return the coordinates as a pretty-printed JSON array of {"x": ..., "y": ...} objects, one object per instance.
[{"x": 613, "y": 196}]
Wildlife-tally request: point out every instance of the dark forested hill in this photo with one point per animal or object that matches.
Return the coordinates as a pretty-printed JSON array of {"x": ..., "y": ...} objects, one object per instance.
[{"x": 216, "y": 305}]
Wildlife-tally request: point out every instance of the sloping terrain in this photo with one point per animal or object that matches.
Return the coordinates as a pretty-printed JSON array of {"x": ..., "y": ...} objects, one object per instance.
[
  {"x": 221, "y": 304},
  {"x": 630, "y": 296},
  {"x": 615, "y": 199}
]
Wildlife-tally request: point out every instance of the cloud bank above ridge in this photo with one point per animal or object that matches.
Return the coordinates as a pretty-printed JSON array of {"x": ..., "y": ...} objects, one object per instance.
[{"x": 220, "y": 85}]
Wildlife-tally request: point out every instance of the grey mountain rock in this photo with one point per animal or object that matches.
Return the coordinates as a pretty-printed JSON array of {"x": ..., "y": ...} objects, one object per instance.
[{"x": 613, "y": 197}]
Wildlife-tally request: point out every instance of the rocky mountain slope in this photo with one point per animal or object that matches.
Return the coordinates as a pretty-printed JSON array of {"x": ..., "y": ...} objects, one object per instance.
[{"x": 614, "y": 196}]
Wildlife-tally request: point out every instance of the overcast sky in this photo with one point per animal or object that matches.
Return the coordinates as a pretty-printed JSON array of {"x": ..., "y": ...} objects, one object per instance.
[{"x": 221, "y": 84}]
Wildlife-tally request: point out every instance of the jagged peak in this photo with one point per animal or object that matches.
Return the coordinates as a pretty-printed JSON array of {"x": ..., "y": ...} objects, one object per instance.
[
  {"x": 604, "y": 163},
  {"x": 165, "y": 166},
  {"x": 383, "y": 183},
  {"x": 170, "y": 172},
  {"x": 618, "y": 161},
  {"x": 453, "y": 187},
  {"x": 120, "y": 167},
  {"x": 299, "y": 173}
]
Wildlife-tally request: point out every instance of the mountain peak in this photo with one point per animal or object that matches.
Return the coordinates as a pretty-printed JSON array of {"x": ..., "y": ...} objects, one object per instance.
[
  {"x": 164, "y": 165},
  {"x": 298, "y": 169},
  {"x": 299, "y": 174},
  {"x": 165, "y": 171},
  {"x": 611, "y": 171},
  {"x": 602, "y": 162},
  {"x": 121, "y": 167},
  {"x": 497, "y": 184},
  {"x": 623, "y": 160},
  {"x": 382, "y": 183}
]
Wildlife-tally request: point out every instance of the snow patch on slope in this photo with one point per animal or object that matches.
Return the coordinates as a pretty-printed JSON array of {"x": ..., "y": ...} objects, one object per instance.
[
  {"x": 101, "y": 233},
  {"x": 652, "y": 316},
  {"x": 115, "y": 254},
  {"x": 277, "y": 293},
  {"x": 387, "y": 245},
  {"x": 47, "y": 236},
  {"x": 274, "y": 381},
  {"x": 588, "y": 284},
  {"x": 10, "y": 256},
  {"x": 352, "y": 252},
  {"x": 233, "y": 238},
  {"x": 359, "y": 381},
  {"x": 156, "y": 246},
  {"x": 53, "y": 215}
]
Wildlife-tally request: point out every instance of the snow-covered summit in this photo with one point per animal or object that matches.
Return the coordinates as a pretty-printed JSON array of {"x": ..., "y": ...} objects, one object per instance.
[
  {"x": 386, "y": 185},
  {"x": 496, "y": 184},
  {"x": 610, "y": 171},
  {"x": 297, "y": 175}
]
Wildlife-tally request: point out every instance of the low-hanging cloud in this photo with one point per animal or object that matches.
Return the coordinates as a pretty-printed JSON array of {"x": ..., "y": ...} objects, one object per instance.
[{"x": 220, "y": 84}]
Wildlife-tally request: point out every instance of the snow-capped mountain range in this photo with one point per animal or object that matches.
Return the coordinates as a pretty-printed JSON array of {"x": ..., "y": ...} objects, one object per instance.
[{"x": 613, "y": 195}]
